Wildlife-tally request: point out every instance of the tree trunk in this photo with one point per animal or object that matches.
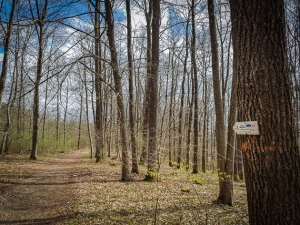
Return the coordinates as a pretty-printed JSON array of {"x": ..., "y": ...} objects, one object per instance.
[
  {"x": 131, "y": 98},
  {"x": 65, "y": 115},
  {"x": 11, "y": 100},
  {"x": 153, "y": 84},
  {"x": 80, "y": 120},
  {"x": 6, "y": 49},
  {"x": 99, "y": 154},
  {"x": 189, "y": 129},
  {"x": 225, "y": 192},
  {"x": 195, "y": 91},
  {"x": 204, "y": 134},
  {"x": 88, "y": 114},
  {"x": 271, "y": 159},
  {"x": 145, "y": 125},
  {"x": 36, "y": 100},
  {"x": 118, "y": 89},
  {"x": 180, "y": 136}
]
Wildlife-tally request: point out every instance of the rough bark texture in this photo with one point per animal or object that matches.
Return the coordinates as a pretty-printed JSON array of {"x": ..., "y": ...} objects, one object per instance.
[
  {"x": 271, "y": 159},
  {"x": 153, "y": 84}
]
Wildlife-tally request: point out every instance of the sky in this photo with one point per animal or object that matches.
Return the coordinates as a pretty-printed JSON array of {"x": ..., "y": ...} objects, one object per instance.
[{"x": 1, "y": 54}]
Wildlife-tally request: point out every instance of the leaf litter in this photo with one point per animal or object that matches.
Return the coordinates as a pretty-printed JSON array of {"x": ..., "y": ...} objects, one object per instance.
[{"x": 73, "y": 189}]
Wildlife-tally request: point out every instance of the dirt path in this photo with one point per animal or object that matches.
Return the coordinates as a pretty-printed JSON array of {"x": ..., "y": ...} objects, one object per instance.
[{"x": 45, "y": 195}]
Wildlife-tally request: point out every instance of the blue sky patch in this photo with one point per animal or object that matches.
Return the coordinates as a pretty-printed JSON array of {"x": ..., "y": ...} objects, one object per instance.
[{"x": 119, "y": 15}]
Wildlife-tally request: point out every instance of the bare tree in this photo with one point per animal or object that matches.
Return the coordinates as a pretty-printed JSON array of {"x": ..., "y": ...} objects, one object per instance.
[
  {"x": 6, "y": 49},
  {"x": 195, "y": 91},
  {"x": 145, "y": 123},
  {"x": 153, "y": 91},
  {"x": 131, "y": 96},
  {"x": 118, "y": 89},
  {"x": 39, "y": 27}
]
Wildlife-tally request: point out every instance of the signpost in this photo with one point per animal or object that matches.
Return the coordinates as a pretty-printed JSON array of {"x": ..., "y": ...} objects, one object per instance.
[{"x": 246, "y": 128}]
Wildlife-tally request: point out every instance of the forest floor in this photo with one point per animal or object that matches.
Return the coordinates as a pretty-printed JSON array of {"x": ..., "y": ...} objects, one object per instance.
[{"x": 73, "y": 189}]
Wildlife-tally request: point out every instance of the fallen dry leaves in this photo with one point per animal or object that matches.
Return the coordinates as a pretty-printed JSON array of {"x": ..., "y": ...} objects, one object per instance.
[{"x": 75, "y": 190}]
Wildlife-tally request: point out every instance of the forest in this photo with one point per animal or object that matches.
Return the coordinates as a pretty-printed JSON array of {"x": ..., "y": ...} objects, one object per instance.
[{"x": 143, "y": 85}]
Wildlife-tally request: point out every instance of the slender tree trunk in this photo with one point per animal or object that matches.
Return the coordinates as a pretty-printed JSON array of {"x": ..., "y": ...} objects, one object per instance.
[
  {"x": 180, "y": 138},
  {"x": 6, "y": 49},
  {"x": 170, "y": 147},
  {"x": 131, "y": 98},
  {"x": 189, "y": 129},
  {"x": 65, "y": 115},
  {"x": 98, "y": 88},
  {"x": 227, "y": 185},
  {"x": 57, "y": 111},
  {"x": 271, "y": 159},
  {"x": 118, "y": 88},
  {"x": 145, "y": 126},
  {"x": 88, "y": 114},
  {"x": 36, "y": 100},
  {"x": 195, "y": 93},
  {"x": 80, "y": 121},
  {"x": 204, "y": 134},
  {"x": 225, "y": 196},
  {"x": 45, "y": 109},
  {"x": 11, "y": 100}
]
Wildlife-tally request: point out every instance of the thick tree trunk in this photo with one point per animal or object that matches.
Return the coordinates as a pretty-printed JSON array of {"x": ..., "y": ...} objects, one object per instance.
[
  {"x": 153, "y": 84},
  {"x": 271, "y": 159}
]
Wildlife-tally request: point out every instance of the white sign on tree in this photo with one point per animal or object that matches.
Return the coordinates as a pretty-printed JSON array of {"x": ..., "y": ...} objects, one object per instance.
[{"x": 246, "y": 128}]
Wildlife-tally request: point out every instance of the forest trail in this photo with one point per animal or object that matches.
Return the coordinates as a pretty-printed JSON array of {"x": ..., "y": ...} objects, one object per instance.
[{"x": 40, "y": 192}]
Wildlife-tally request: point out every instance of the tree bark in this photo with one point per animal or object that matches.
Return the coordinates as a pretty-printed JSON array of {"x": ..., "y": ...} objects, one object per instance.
[
  {"x": 36, "y": 100},
  {"x": 99, "y": 154},
  {"x": 271, "y": 159},
  {"x": 225, "y": 195},
  {"x": 145, "y": 124},
  {"x": 135, "y": 168},
  {"x": 180, "y": 136},
  {"x": 118, "y": 89},
  {"x": 6, "y": 49},
  {"x": 195, "y": 91},
  {"x": 153, "y": 84}
]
